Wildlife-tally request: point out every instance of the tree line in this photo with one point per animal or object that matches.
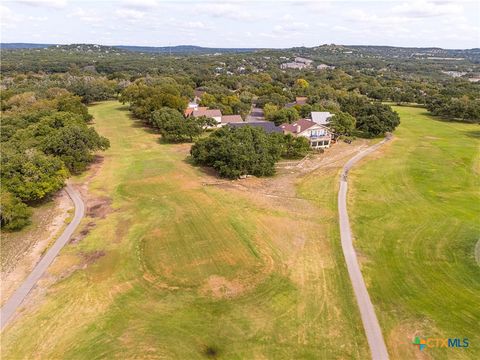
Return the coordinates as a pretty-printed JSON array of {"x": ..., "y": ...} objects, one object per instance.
[{"x": 45, "y": 138}]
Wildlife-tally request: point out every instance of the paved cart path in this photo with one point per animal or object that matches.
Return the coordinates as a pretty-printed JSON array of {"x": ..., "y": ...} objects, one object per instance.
[
  {"x": 367, "y": 311},
  {"x": 14, "y": 302}
]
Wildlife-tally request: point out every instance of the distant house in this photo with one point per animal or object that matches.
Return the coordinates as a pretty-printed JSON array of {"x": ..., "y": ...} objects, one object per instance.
[
  {"x": 228, "y": 119},
  {"x": 294, "y": 65},
  {"x": 298, "y": 63},
  {"x": 303, "y": 60},
  {"x": 321, "y": 117},
  {"x": 212, "y": 113},
  {"x": 325, "y": 67},
  {"x": 268, "y": 126},
  {"x": 190, "y": 108},
  {"x": 319, "y": 136}
]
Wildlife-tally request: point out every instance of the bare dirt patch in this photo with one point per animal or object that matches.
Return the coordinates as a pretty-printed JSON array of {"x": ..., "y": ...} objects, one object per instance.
[
  {"x": 281, "y": 188},
  {"x": 82, "y": 233},
  {"x": 91, "y": 256},
  {"x": 400, "y": 340},
  {"x": 98, "y": 207},
  {"x": 220, "y": 287}
]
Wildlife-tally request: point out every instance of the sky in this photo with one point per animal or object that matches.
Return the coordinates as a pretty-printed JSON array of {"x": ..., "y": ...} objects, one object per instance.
[{"x": 241, "y": 23}]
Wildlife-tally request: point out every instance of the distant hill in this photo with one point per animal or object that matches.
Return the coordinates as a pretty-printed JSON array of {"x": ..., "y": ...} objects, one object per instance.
[
  {"x": 180, "y": 49},
  {"x": 13, "y": 46},
  {"x": 183, "y": 49},
  {"x": 355, "y": 50}
]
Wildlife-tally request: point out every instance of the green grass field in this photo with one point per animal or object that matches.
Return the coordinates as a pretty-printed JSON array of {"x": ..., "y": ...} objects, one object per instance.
[
  {"x": 185, "y": 271},
  {"x": 416, "y": 218}
]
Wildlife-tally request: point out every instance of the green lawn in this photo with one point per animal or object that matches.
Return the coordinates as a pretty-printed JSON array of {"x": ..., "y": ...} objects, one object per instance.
[
  {"x": 185, "y": 271},
  {"x": 415, "y": 212}
]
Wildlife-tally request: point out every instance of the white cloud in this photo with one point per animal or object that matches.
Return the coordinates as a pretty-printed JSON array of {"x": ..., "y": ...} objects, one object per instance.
[
  {"x": 296, "y": 26},
  {"x": 374, "y": 20},
  {"x": 140, "y": 4},
  {"x": 37, "y": 18},
  {"x": 234, "y": 11},
  {"x": 9, "y": 19},
  {"x": 422, "y": 8},
  {"x": 56, "y": 4},
  {"x": 196, "y": 25},
  {"x": 318, "y": 6},
  {"x": 340, "y": 28},
  {"x": 130, "y": 14},
  {"x": 86, "y": 16}
]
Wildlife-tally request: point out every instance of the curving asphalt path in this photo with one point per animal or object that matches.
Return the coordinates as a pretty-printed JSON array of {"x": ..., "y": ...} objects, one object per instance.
[
  {"x": 367, "y": 312},
  {"x": 13, "y": 303}
]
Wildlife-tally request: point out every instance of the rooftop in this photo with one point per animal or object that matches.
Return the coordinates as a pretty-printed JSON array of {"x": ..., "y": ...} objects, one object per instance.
[
  {"x": 207, "y": 112},
  {"x": 321, "y": 117},
  {"x": 298, "y": 126},
  {"x": 268, "y": 126},
  {"x": 231, "y": 119}
]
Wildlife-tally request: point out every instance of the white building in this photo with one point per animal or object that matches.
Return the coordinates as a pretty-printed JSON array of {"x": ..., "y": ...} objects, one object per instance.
[
  {"x": 321, "y": 117},
  {"x": 319, "y": 136},
  {"x": 325, "y": 67},
  {"x": 303, "y": 61}
]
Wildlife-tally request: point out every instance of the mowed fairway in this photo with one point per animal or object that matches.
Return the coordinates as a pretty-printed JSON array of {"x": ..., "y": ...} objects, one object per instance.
[
  {"x": 179, "y": 270},
  {"x": 415, "y": 212}
]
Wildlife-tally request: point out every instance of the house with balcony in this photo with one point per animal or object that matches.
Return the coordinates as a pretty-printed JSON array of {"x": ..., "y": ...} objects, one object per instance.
[{"x": 319, "y": 136}]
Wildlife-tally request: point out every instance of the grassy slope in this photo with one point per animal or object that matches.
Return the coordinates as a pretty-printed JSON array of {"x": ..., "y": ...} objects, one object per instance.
[
  {"x": 167, "y": 242},
  {"x": 415, "y": 214}
]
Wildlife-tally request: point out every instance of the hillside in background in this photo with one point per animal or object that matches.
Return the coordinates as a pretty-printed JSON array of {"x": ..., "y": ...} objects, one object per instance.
[
  {"x": 183, "y": 49},
  {"x": 352, "y": 50}
]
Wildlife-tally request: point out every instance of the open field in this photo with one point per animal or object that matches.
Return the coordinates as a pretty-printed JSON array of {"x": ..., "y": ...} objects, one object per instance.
[
  {"x": 166, "y": 267},
  {"x": 415, "y": 213}
]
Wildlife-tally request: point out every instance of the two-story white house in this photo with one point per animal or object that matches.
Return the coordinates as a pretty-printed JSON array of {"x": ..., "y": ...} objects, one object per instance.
[{"x": 319, "y": 136}]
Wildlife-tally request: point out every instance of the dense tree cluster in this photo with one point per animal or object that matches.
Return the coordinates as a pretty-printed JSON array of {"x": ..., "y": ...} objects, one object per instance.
[
  {"x": 234, "y": 152},
  {"x": 463, "y": 108},
  {"x": 227, "y": 102},
  {"x": 44, "y": 139},
  {"x": 175, "y": 128},
  {"x": 144, "y": 97},
  {"x": 160, "y": 103},
  {"x": 343, "y": 123},
  {"x": 280, "y": 116}
]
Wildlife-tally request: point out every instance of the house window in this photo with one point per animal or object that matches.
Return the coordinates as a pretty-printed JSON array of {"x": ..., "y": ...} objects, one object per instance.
[{"x": 314, "y": 144}]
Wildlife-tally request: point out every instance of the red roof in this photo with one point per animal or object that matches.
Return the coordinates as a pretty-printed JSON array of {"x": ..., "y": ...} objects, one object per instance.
[
  {"x": 303, "y": 123},
  {"x": 207, "y": 113},
  {"x": 231, "y": 119},
  {"x": 188, "y": 112}
]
